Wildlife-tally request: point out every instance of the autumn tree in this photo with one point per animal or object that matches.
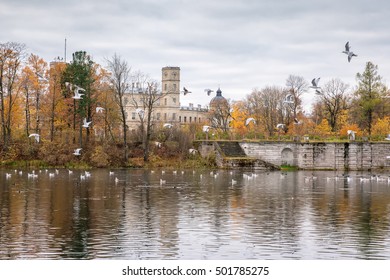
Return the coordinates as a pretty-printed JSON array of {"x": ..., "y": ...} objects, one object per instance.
[
  {"x": 368, "y": 97},
  {"x": 11, "y": 57},
  {"x": 334, "y": 100},
  {"x": 34, "y": 83},
  {"x": 267, "y": 107}
]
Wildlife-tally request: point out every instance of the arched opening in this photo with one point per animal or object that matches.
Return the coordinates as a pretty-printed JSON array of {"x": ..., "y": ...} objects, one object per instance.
[{"x": 287, "y": 157}]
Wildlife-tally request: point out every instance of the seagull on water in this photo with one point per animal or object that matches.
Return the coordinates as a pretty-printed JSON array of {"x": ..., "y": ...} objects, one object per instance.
[
  {"x": 86, "y": 124},
  {"x": 77, "y": 152},
  {"x": 209, "y": 91},
  {"x": 35, "y": 135}
]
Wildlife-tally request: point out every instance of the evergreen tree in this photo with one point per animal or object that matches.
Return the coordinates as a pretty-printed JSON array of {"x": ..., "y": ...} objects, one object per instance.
[{"x": 368, "y": 96}]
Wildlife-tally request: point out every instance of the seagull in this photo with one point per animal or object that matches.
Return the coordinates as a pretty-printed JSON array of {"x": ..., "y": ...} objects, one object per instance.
[
  {"x": 289, "y": 99},
  {"x": 209, "y": 91},
  {"x": 388, "y": 137},
  {"x": 192, "y": 151},
  {"x": 99, "y": 109},
  {"x": 35, "y": 135},
  {"x": 167, "y": 125},
  {"x": 77, "y": 94},
  {"x": 86, "y": 124},
  {"x": 296, "y": 121},
  {"x": 248, "y": 120},
  {"x": 158, "y": 144},
  {"x": 206, "y": 128},
  {"x": 348, "y": 52},
  {"x": 315, "y": 82},
  {"x": 185, "y": 91},
  {"x": 77, "y": 152},
  {"x": 280, "y": 126},
  {"x": 140, "y": 112},
  {"x": 346, "y": 48}
]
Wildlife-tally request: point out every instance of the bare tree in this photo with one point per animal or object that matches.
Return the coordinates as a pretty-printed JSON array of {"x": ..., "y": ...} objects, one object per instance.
[
  {"x": 296, "y": 86},
  {"x": 145, "y": 98},
  {"x": 120, "y": 79},
  {"x": 266, "y": 106},
  {"x": 334, "y": 100}
]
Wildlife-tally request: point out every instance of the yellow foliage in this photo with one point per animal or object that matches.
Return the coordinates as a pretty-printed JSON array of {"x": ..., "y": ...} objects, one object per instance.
[
  {"x": 323, "y": 129},
  {"x": 381, "y": 127}
]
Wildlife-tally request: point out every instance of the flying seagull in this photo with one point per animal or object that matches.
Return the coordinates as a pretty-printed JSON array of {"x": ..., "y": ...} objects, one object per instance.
[
  {"x": 296, "y": 121},
  {"x": 77, "y": 94},
  {"x": 209, "y": 91},
  {"x": 167, "y": 125},
  {"x": 185, "y": 91},
  {"x": 315, "y": 82},
  {"x": 248, "y": 120},
  {"x": 77, "y": 152},
  {"x": 280, "y": 126},
  {"x": 289, "y": 99},
  {"x": 86, "y": 124},
  {"x": 206, "y": 128},
  {"x": 35, "y": 135},
  {"x": 140, "y": 112},
  {"x": 99, "y": 109},
  {"x": 348, "y": 52}
]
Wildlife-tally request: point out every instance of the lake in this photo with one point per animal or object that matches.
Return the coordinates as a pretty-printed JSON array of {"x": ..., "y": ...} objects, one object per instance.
[{"x": 141, "y": 214}]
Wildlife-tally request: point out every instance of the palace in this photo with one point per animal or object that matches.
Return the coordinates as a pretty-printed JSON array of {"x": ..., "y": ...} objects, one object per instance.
[{"x": 168, "y": 109}]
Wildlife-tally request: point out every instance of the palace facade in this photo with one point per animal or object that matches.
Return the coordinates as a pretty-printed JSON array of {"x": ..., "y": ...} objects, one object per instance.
[{"x": 168, "y": 109}]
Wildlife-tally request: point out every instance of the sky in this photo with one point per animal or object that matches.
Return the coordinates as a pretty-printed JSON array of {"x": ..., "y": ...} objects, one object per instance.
[{"x": 237, "y": 45}]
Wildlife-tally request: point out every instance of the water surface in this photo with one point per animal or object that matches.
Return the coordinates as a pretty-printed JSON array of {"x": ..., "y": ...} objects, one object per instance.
[{"x": 132, "y": 214}]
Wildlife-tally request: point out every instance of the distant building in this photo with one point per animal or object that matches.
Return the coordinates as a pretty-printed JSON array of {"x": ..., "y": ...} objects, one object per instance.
[{"x": 168, "y": 109}]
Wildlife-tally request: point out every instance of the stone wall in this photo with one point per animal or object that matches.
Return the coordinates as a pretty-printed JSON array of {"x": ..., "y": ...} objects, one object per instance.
[{"x": 322, "y": 155}]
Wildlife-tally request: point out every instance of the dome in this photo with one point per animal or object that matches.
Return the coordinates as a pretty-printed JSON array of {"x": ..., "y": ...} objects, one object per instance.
[{"x": 218, "y": 100}]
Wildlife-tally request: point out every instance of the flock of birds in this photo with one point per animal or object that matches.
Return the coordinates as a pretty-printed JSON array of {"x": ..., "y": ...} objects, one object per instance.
[
  {"x": 289, "y": 99},
  {"x": 86, "y": 124},
  {"x": 232, "y": 178}
]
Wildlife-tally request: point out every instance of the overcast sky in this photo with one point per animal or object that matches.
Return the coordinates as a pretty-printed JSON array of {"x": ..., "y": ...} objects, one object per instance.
[{"x": 235, "y": 44}]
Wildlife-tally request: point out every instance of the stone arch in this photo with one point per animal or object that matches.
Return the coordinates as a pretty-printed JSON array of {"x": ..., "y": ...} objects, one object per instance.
[{"x": 287, "y": 157}]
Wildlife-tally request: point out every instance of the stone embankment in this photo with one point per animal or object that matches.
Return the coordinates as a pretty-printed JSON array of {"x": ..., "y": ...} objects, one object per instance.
[{"x": 346, "y": 156}]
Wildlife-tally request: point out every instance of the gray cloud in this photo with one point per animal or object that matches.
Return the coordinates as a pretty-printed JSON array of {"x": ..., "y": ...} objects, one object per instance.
[{"x": 238, "y": 45}]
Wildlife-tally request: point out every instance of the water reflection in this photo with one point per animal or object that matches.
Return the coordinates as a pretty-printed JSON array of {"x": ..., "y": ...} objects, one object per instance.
[{"x": 186, "y": 214}]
